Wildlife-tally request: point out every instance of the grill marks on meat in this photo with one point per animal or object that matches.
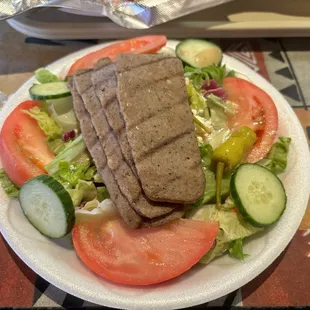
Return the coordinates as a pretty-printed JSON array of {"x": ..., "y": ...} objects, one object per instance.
[
  {"x": 126, "y": 182},
  {"x": 137, "y": 125},
  {"x": 104, "y": 82},
  {"x": 103, "y": 79},
  {"x": 124, "y": 175},
  {"x": 96, "y": 151},
  {"x": 158, "y": 83}
]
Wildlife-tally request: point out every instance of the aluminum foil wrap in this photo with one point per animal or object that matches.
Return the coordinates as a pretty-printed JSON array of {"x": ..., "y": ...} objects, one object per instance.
[{"x": 136, "y": 14}]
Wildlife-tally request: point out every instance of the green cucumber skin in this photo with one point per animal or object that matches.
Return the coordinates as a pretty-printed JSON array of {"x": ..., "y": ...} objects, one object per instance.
[
  {"x": 239, "y": 204},
  {"x": 188, "y": 64},
  {"x": 63, "y": 196},
  {"x": 46, "y": 97}
]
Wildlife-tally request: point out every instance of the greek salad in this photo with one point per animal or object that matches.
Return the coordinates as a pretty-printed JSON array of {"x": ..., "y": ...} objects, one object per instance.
[{"x": 47, "y": 166}]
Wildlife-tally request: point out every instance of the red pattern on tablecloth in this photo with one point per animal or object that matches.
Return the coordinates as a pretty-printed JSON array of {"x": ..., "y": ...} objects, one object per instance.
[
  {"x": 286, "y": 281},
  {"x": 16, "y": 279}
]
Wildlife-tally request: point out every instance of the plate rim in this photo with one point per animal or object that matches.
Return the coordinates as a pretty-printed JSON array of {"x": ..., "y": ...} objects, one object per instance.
[{"x": 199, "y": 297}]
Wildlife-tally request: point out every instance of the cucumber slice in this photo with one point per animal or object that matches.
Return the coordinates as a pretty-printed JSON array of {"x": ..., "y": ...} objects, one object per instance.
[
  {"x": 199, "y": 53},
  {"x": 258, "y": 194},
  {"x": 47, "y": 206},
  {"x": 48, "y": 91}
]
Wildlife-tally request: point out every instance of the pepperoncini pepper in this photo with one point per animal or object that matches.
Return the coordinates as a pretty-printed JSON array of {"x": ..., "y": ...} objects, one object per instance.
[{"x": 229, "y": 154}]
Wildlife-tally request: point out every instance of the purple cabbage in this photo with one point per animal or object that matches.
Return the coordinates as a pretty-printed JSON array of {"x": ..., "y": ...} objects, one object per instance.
[
  {"x": 212, "y": 87},
  {"x": 70, "y": 135}
]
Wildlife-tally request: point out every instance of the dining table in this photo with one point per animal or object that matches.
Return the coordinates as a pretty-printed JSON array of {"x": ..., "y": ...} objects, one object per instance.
[{"x": 285, "y": 62}]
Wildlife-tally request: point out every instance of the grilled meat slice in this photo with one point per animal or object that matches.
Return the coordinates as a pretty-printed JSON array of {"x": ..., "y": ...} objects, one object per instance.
[{"x": 160, "y": 131}]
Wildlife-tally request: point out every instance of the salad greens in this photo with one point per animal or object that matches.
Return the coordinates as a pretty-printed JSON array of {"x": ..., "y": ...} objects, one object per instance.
[
  {"x": 72, "y": 150},
  {"x": 217, "y": 111},
  {"x": 70, "y": 173},
  {"x": 232, "y": 227},
  {"x": 74, "y": 169},
  {"x": 197, "y": 101},
  {"x": 227, "y": 106},
  {"x": 216, "y": 73},
  {"x": 236, "y": 249},
  {"x": 11, "y": 190},
  {"x": 102, "y": 193},
  {"x": 56, "y": 146},
  {"x": 276, "y": 159},
  {"x": 209, "y": 171},
  {"x": 46, "y": 123}
]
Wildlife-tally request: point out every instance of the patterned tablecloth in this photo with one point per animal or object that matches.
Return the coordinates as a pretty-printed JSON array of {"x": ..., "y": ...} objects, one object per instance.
[{"x": 284, "y": 62}]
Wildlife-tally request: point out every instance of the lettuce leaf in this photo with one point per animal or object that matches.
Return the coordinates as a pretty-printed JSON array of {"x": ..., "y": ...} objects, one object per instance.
[
  {"x": 216, "y": 73},
  {"x": 217, "y": 112},
  {"x": 209, "y": 192},
  {"x": 276, "y": 159},
  {"x": 197, "y": 101},
  {"x": 206, "y": 155},
  {"x": 45, "y": 122},
  {"x": 72, "y": 173},
  {"x": 76, "y": 196},
  {"x": 78, "y": 181},
  {"x": 102, "y": 193},
  {"x": 210, "y": 188},
  {"x": 227, "y": 106},
  {"x": 73, "y": 150},
  {"x": 221, "y": 246},
  {"x": 236, "y": 249},
  {"x": 11, "y": 190},
  {"x": 56, "y": 146},
  {"x": 232, "y": 227},
  {"x": 44, "y": 76}
]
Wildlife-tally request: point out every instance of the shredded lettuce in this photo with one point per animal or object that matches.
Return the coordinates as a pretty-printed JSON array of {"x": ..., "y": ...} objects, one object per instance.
[
  {"x": 78, "y": 181},
  {"x": 97, "y": 178},
  {"x": 76, "y": 196},
  {"x": 236, "y": 249},
  {"x": 226, "y": 106},
  {"x": 102, "y": 193},
  {"x": 85, "y": 191},
  {"x": 88, "y": 189},
  {"x": 210, "y": 188},
  {"x": 209, "y": 192},
  {"x": 217, "y": 137},
  {"x": 206, "y": 154},
  {"x": 217, "y": 111},
  {"x": 197, "y": 101},
  {"x": 91, "y": 205},
  {"x": 45, "y": 122},
  {"x": 221, "y": 246},
  {"x": 56, "y": 146},
  {"x": 11, "y": 190},
  {"x": 276, "y": 159},
  {"x": 72, "y": 150},
  {"x": 73, "y": 173},
  {"x": 232, "y": 227},
  {"x": 74, "y": 168},
  {"x": 44, "y": 76}
]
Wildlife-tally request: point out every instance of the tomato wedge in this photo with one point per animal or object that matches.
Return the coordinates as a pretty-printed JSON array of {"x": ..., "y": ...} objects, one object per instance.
[
  {"x": 142, "y": 256},
  {"x": 23, "y": 148},
  {"x": 256, "y": 110},
  {"x": 139, "y": 45}
]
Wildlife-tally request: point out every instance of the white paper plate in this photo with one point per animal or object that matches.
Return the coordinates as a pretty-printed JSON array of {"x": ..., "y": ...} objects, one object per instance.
[{"x": 57, "y": 262}]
